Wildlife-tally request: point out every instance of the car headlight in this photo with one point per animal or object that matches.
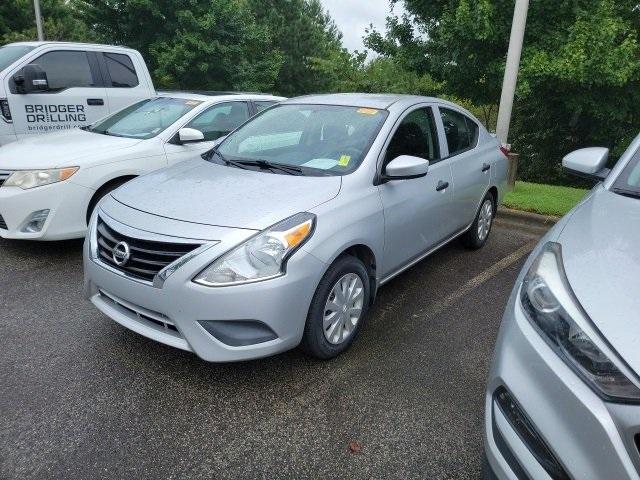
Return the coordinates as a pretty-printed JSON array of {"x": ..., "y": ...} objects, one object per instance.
[
  {"x": 262, "y": 256},
  {"x": 26, "y": 179},
  {"x": 551, "y": 306}
]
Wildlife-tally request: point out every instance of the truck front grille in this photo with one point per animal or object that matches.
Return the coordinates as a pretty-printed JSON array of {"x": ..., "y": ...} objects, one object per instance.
[{"x": 146, "y": 257}]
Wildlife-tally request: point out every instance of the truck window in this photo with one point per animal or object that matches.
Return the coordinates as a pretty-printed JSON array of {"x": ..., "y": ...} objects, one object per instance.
[
  {"x": 66, "y": 69},
  {"x": 11, "y": 53},
  {"x": 121, "y": 70}
]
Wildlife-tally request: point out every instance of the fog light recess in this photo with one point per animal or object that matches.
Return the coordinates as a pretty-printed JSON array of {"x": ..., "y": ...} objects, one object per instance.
[{"x": 36, "y": 221}]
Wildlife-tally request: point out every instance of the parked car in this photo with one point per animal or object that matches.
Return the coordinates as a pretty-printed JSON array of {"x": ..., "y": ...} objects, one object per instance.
[
  {"x": 283, "y": 233},
  {"x": 53, "y": 86},
  {"x": 563, "y": 397},
  {"x": 50, "y": 184}
]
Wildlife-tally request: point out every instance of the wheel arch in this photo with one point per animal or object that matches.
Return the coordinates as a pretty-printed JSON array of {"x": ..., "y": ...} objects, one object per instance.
[{"x": 105, "y": 187}]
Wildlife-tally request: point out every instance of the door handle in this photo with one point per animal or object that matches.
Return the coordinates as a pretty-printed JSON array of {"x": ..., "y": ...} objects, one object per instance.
[
  {"x": 485, "y": 167},
  {"x": 442, "y": 185},
  {"x": 95, "y": 101}
]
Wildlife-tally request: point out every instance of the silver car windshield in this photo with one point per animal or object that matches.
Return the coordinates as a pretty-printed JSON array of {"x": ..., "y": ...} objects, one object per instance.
[
  {"x": 628, "y": 182},
  {"x": 11, "y": 53},
  {"x": 144, "y": 119},
  {"x": 312, "y": 139}
]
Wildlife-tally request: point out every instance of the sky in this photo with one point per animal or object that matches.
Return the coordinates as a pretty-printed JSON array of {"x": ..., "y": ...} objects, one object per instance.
[{"x": 353, "y": 16}]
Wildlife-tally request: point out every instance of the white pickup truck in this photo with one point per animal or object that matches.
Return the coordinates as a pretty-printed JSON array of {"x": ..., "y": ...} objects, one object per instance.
[{"x": 52, "y": 86}]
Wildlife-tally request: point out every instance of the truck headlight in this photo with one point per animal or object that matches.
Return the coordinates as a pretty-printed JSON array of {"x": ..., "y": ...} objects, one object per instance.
[
  {"x": 26, "y": 179},
  {"x": 553, "y": 309},
  {"x": 262, "y": 256}
]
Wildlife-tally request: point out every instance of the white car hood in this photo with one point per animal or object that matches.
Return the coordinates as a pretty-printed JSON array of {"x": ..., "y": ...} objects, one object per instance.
[
  {"x": 59, "y": 149},
  {"x": 198, "y": 191},
  {"x": 601, "y": 256}
]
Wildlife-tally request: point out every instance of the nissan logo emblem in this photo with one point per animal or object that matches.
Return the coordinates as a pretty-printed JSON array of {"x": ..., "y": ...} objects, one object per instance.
[{"x": 121, "y": 253}]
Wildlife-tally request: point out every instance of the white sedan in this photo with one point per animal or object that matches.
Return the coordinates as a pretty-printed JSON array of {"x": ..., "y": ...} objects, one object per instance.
[{"x": 50, "y": 184}]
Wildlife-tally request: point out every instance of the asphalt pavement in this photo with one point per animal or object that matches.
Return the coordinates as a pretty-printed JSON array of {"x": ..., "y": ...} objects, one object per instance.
[{"x": 83, "y": 398}]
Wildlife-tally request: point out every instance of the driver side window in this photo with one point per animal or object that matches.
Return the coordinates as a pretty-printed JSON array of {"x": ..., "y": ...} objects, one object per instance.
[
  {"x": 220, "y": 120},
  {"x": 416, "y": 136}
]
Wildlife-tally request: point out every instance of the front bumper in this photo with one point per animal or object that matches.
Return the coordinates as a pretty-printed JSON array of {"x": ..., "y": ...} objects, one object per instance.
[
  {"x": 590, "y": 438},
  {"x": 67, "y": 203},
  {"x": 171, "y": 314}
]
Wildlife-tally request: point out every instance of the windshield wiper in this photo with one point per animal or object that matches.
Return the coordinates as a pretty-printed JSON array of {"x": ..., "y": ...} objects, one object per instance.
[
  {"x": 627, "y": 192},
  {"x": 265, "y": 165}
]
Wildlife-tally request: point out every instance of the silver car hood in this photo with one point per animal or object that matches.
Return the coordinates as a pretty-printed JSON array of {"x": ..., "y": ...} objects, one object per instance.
[
  {"x": 202, "y": 192},
  {"x": 601, "y": 254}
]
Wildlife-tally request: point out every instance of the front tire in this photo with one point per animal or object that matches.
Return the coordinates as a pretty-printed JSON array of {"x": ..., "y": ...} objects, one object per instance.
[
  {"x": 477, "y": 235},
  {"x": 337, "y": 309}
]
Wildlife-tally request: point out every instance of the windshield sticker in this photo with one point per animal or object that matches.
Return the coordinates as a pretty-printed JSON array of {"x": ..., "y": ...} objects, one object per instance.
[
  {"x": 344, "y": 160},
  {"x": 367, "y": 111},
  {"x": 322, "y": 163}
]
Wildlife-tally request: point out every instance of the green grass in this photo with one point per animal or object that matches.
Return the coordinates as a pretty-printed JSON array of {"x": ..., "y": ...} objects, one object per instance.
[{"x": 544, "y": 199}]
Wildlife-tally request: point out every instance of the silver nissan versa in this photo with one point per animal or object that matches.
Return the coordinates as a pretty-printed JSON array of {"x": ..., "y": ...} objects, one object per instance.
[
  {"x": 282, "y": 234},
  {"x": 563, "y": 399}
]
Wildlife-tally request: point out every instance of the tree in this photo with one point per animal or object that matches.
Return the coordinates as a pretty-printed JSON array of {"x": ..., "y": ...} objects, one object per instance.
[
  {"x": 301, "y": 31},
  {"x": 192, "y": 44},
  {"x": 579, "y": 76},
  {"x": 61, "y": 22}
]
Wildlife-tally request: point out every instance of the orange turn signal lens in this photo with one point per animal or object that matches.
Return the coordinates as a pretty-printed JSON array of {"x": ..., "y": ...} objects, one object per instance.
[
  {"x": 67, "y": 172},
  {"x": 297, "y": 234}
]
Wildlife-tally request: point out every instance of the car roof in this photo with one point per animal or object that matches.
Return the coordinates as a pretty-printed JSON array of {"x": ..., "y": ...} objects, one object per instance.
[
  {"x": 47, "y": 42},
  {"x": 219, "y": 97},
  {"x": 373, "y": 100}
]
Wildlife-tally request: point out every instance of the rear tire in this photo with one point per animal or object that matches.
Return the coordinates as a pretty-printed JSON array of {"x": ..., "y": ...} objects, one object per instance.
[
  {"x": 478, "y": 234},
  {"x": 337, "y": 309}
]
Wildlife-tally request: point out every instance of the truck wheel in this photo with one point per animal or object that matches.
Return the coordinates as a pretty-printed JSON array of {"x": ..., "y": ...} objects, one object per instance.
[
  {"x": 337, "y": 309},
  {"x": 477, "y": 235}
]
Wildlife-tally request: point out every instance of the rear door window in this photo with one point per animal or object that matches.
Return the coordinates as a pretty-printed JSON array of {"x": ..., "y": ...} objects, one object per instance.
[
  {"x": 121, "y": 70},
  {"x": 461, "y": 131},
  {"x": 263, "y": 104},
  {"x": 220, "y": 120},
  {"x": 66, "y": 69}
]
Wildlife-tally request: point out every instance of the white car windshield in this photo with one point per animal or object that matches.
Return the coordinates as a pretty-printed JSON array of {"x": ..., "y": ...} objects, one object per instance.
[
  {"x": 144, "y": 119},
  {"x": 313, "y": 139}
]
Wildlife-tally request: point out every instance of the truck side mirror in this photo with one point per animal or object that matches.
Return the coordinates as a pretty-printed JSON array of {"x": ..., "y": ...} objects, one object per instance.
[{"x": 31, "y": 79}]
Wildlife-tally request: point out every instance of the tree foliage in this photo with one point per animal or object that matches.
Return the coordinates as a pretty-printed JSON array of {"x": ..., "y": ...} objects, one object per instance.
[
  {"x": 579, "y": 77},
  {"x": 61, "y": 22}
]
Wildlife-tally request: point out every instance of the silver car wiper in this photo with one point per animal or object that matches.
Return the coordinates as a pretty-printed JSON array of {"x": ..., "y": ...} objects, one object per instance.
[{"x": 627, "y": 192}]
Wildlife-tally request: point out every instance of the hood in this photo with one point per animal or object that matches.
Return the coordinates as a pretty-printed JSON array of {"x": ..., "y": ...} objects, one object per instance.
[
  {"x": 601, "y": 255},
  {"x": 202, "y": 192},
  {"x": 59, "y": 149}
]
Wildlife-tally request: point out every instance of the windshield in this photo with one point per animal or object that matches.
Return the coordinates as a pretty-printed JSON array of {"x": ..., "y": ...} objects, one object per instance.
[
  {"x": 11, "y": 53},
  {"x": 317, "y": 139},
  {"x": 144, "y": 119},
  {"x": 628, "y": 182}
]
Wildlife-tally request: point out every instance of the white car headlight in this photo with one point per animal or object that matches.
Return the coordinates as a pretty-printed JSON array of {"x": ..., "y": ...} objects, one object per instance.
[
  {"x": 26, "y": 179},
  {"x": 553, "y": 309},
  {"x": 262, "y": 256}
]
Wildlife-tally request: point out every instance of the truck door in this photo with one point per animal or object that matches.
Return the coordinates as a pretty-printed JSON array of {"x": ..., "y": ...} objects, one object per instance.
[
  {"x": 75, "y": 96},
  {"x": 124, "y": 85}
]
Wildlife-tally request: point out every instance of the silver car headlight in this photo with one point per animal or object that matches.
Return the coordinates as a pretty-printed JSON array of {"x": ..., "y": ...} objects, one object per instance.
[
  {"x": 26, "y": 179},
  {"x": 262, "y": 256},
  {"x": 553, "y": 309}
]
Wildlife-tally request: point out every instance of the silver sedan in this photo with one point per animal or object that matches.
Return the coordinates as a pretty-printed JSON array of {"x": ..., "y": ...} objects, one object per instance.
[
  {"x": 283, "y": 233},
  {"x": 563, "y": 399}
]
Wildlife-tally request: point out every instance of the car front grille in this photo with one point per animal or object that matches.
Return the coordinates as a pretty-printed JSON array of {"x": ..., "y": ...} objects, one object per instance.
[
  {"x": 147, "y": 257},
  {"x": 3, "y": 176},
  {"x": 3, "y": 224}
]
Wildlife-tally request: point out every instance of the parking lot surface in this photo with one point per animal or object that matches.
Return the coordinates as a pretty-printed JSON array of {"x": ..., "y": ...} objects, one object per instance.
[{"x": 82, "y": 397}]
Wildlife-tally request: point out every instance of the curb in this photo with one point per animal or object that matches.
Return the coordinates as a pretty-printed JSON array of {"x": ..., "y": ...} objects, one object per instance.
[{"x": 529, "y": 218}]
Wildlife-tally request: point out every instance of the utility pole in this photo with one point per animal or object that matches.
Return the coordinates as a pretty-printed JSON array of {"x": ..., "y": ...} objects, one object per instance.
[
  {"x": 36, "y": 6},
  {"x": 511, "y": 69}
]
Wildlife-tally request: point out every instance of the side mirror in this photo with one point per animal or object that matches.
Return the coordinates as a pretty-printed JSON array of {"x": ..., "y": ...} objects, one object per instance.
[
  {"x": 406, "y": 166},
  {"x": 32, "y": 79},
  {"x": 588, "y": 162},
  {"x": 189, "y": 135}
]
